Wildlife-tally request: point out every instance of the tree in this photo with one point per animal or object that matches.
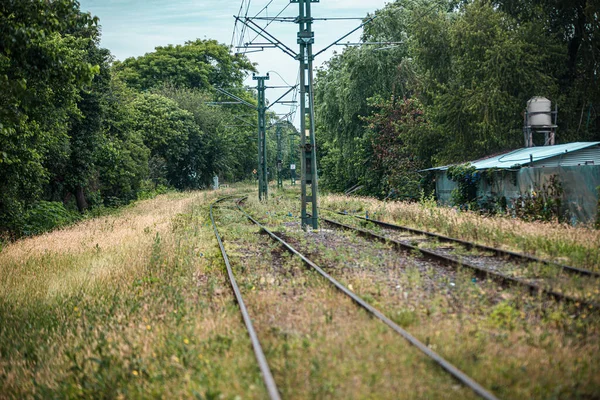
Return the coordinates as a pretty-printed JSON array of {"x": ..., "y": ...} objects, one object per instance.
[
  {"x": 197, "y": 64},
  {"x": 496, "y": 65},
  {"x": 121, "y": 158},
  {"x": 85, "y": 132},
  {"x": 230, "y": 142},
  {"x": 471, "y": 66},
  {"x": 172, "y": 137},
  {"x": 400, "y": 143},
  {"x": 43, "y": 67}
]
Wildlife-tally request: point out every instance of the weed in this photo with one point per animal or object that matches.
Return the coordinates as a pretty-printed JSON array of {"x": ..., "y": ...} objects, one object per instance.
[{"x": 504, "y": 316}]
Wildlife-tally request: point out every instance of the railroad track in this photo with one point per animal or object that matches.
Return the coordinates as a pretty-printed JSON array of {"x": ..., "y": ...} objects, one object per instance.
[
  {"x": 258, "y": 351},
  {"x": 479, "y": 270},
  {"x": 471, "y": 245},
  {"x": 264, "y": 367}
]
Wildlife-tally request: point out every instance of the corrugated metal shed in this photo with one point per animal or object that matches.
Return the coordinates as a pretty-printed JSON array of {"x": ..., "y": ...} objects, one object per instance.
[{"x": 571, "y": 154}]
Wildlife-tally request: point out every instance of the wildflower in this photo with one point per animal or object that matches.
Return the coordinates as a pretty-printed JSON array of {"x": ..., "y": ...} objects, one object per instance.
[
  {"x": 186, "y": 341},
  {"x": 148, "y": 327},
  {"x": 135, "y": 373},
  {"x": 76, "y": 309}
]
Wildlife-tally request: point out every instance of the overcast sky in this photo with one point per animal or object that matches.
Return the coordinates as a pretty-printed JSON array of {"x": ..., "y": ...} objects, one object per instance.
[{"x": 131, "y": 28}]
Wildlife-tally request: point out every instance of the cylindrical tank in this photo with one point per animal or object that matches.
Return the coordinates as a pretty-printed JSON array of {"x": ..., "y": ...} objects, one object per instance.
[{"x": 540, "y": 112}]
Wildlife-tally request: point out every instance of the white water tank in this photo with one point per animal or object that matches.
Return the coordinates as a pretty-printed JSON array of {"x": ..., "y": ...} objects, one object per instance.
[{"x": 539, "y": 110}]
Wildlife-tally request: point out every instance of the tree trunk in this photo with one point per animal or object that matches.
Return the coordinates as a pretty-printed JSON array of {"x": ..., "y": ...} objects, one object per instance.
[{"x": 82, "y": 204}]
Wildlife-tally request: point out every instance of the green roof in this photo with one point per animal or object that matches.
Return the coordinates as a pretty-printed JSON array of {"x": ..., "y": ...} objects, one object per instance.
[{"x": 525, "y": 156}]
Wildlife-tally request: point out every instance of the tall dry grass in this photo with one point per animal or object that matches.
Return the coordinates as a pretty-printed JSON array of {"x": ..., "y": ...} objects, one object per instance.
[
  {"x": 132, "y": 305},
  {"x": 579, "y": 246}
]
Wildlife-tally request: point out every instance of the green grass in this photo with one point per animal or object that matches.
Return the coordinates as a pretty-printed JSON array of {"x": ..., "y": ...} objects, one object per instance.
[
  {"x": 515, "y": 344},
  {"x": 156, "y": 322},
  {"x": 137, "y": 305}
]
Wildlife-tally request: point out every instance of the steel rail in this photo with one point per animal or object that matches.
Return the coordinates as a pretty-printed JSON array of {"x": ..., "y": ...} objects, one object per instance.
[
  {"x": 442, "y": 362},
  {"x": 472, "y": 245},
  {"x": 258, "y": 351},
  {"x": 481, "y": 272}
]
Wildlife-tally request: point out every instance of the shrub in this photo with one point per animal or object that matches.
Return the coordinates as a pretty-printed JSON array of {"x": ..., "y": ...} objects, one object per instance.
[
  {"x": 44, "y": 216},
  {"x": 150, "y": 190},
  {"x": 504, "y": 316},
  {"x": 541, "y": 204},
  {"x": 467, "y": 179}
]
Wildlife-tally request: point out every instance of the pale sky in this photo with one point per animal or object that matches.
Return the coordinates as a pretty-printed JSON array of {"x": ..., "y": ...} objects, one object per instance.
[{"x": 131, "y": 28}]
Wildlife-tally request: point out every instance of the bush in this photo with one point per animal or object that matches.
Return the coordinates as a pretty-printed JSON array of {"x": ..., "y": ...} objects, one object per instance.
[
  {"x": 44, "y": 216},
  {"x": 541, "y": 204},
  {"x": 150, "y": 190},
  {"x": 467, "y": 179}
]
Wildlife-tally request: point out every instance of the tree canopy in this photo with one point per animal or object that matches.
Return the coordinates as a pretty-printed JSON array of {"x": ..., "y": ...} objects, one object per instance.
[
  {"x": 80, "y": 131},
  {"x": 198, "y": 64},
  {"x": 467, "y": 69}
]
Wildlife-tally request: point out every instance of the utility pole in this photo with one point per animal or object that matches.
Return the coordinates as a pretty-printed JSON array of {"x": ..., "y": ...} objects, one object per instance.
[
  {"x": 263, "y": 178},
  {"x": 293, "y": 150},
  {"x": 279, "y": 159},
  {"x": 262, "y": 108},
  {"x": 308, "y": 162},
  {"x": 305, "y": 39}
]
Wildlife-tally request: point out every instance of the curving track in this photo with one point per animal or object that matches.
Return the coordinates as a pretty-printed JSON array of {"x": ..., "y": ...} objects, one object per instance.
[
  {"x": 268, "y": 378},
  {"x": 481, "y": 271},
  {"x": 471, "y": 245}
]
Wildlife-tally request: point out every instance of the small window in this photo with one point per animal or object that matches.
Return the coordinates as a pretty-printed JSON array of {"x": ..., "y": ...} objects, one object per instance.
[{"x": 589, "y": 163}]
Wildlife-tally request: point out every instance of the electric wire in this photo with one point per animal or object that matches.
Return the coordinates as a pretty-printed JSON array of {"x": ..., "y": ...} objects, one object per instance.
[
  {"x": 235, "y": 24},
  {"x": 270, "y": 22}
]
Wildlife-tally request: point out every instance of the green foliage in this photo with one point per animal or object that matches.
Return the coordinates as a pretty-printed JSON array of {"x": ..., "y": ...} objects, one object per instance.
[
  {"x": 75, "y": 130},
  {"x": 341, "y": 95},
  {"x": 43, "y": 67},
  {"x": 398, "y": 132},
  {"x": 504, "y": 316},
  {"x": 149, "y": 190},
  {"x": 541, "y": 204},
  {"x": 492, "y": 66},
  {"x": 467, "y": 179},
  {"x": 121, "y": 158},
  {"x": 171, "y": 134},
  {"x": 471, "y": 65},
  {"x": 44, "y": 216},
  {"x": 197, "y": 64},
  {"x": 230, "y": 153}
]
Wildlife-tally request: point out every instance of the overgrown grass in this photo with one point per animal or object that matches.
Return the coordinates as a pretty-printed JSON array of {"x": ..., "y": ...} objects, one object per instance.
[
  {"x": 577, "y": 246},
  {"x": 517, "y": 345},
  {"x": 318, "y": 343},
  {"x": 127, "y": 306},
  {"x": 137, "y": 305}
]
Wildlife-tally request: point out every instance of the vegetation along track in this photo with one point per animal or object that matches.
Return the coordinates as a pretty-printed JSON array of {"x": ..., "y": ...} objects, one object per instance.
[
  {"x": 268, "y": 378},
  {"x": 258, "y": 351},
  {"x": 488, "y": 261}
]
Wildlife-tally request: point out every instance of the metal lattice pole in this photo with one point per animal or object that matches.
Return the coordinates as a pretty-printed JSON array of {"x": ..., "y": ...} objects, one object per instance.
[
  {"x": 263, "y": 178},
  {"x": 309, "y": 179},
  {"x": 293, "y": 150},
  {"x": 279, "y": 159}
]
